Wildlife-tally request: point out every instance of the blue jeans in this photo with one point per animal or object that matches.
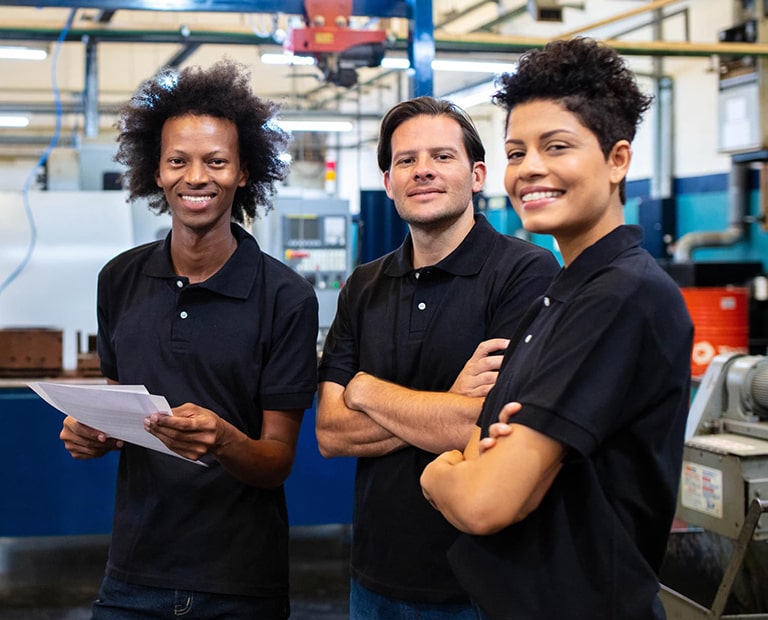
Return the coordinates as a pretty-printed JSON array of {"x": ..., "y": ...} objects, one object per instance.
[
  {"x": 119, "y": 600},
  {"x": 367, "y": 605}
]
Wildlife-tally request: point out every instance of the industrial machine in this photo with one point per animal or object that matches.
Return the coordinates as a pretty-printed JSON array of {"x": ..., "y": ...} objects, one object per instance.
[
  {"x": 312, "y": 234},
  {"x": 724, "y": 479},
  {"x": 337, "y": 48}
]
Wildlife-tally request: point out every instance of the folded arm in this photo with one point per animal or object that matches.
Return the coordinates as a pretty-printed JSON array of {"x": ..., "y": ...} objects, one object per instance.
[
  {"x": 372, "y": 417},
  {"x": 342, "y": 431},
  {"x": 483, "y": 493}
]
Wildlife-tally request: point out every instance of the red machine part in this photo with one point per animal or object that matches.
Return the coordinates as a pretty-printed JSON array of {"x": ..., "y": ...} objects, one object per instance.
[{"x": 328, "y": 29}]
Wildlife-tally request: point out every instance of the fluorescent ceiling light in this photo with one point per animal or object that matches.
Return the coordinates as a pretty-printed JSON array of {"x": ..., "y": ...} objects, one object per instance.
[
  {"x": 286, "y": 59},
  {"x": 22, "y": 53},
  {"x": 309, "y": 125},
  {"x": 13, "y": 121},
  {"x": 464, "y": 66},
  {"x": 472, "y": 96},
  {"x": 472, "y": 66},
  {"x": 395, "y": 63}
]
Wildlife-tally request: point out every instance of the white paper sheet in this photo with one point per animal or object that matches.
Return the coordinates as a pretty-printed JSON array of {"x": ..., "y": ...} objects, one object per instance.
[{"x": 116, "y": 410}]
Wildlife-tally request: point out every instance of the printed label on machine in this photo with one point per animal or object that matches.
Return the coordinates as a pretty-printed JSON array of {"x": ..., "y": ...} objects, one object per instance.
[{"x": 702, "y": 489}]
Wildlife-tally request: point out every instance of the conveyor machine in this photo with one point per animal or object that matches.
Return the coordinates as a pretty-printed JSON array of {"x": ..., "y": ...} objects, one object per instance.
[{"x": 724, "y": 478}]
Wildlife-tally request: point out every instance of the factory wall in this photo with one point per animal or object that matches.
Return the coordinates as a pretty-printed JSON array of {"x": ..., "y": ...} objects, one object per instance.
[{"x": 74, "y": 232}]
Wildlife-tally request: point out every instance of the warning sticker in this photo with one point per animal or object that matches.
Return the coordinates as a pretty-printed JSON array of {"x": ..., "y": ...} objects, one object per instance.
[{"x": 702, "y": 489}]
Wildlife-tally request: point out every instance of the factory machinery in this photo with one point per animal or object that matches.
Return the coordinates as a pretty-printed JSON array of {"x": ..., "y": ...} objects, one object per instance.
[{"x": 723, "y": 497}]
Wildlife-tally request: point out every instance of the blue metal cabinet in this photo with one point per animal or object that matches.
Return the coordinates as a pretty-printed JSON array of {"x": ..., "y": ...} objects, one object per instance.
[{"x": 45, "y": 492}]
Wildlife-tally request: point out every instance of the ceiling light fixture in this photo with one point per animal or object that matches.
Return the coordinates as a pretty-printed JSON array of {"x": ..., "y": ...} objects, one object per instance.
[
  {"x": 310, "y": 125},
  {"x": 473, "y": 95},
  {"x": 22, "y": 53},
  {"x": 13, "y": 121},
  {"x": 465, "y": 66},
  {"x": 287, "y": 59},
  {"x": 472, "y": 66},
  {"x": 447, "y": 64}
]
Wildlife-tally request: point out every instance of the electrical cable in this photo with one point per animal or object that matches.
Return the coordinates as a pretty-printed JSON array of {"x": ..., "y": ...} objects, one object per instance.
[{"x": 43, "y": 158}]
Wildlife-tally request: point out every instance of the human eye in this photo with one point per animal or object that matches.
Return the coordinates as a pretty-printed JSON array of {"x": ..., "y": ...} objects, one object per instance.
[
  {"x": 557, "y": 145},
  {"x": 514, "y": 156},
  {"x": 218, "y": 162},
  {"x": 175, "y": 161}
]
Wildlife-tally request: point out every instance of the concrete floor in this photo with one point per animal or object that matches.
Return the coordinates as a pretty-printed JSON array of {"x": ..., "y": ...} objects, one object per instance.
[{"x": 57, "y": 578}]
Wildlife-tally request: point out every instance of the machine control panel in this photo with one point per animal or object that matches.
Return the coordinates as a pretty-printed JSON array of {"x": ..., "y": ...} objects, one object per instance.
[{"x": 316, "y": 247}]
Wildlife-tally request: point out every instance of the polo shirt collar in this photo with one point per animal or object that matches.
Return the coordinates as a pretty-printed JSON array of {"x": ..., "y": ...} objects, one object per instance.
[
  {"x": 593, "y": 258},
  {"x": 466, "y": 260},
  {"x": 234, "y": 279}
]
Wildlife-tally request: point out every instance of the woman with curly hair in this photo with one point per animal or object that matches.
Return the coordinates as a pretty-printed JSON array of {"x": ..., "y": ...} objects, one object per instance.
[
  {"x": 567, "y": 490},
  {"x": 227, "y": 334}
]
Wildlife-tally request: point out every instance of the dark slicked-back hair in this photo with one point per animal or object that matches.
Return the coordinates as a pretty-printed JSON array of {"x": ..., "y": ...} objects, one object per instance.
[
  {"x": 222, "y": 91},
  {"x": 589, "y": 79},
  {"x": 427, "y": 106}
]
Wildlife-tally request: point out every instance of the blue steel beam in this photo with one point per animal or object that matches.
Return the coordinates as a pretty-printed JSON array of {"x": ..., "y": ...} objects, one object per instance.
[
  {"x": 421, "y": 47},
  {"x": 370, "y": 8}
]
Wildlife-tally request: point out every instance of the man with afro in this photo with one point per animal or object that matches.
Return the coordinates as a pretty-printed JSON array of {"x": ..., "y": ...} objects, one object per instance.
[{"x": 227, "y": 334}]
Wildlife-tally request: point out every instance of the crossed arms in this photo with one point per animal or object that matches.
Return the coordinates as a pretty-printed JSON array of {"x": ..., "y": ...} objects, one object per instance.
[
  {"x": 496, "y": 481},
  {"x": 372, "y": 417}
]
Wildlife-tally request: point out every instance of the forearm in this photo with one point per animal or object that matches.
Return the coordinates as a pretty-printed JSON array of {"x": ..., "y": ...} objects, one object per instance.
[
  {"x": 450, "y": 485},
  {"x": 503, "y": 485},
  {"x": 432, "y": 421},
  {"x": 263, "y": 463},
  {"x": 342, "y": 431}
]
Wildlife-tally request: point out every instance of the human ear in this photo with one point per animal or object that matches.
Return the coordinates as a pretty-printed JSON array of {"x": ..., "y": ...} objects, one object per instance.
[
  {"x": 387, "y": 184},
  {"x": 619, "y": 159},
  {"x": 479, "y": 173}
]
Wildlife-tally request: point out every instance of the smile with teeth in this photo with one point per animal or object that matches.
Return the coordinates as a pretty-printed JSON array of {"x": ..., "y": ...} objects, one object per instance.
[
  {"x": 540, "y": 195},
  {"x": 196, "y": 198}
]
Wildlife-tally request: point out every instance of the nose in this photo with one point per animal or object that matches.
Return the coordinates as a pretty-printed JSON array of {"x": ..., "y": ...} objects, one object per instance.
[
  {"x": 196, "y": 173},
  {"x": 532, "y": 165},
  {"x": 423, "y": 170}
]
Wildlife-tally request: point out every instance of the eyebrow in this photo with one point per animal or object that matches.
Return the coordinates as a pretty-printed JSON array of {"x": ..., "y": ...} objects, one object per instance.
[
  {"x": 218, "y": 152},
  {"x": 544, "y": 136},
  {"x": 436, "y": 149}
]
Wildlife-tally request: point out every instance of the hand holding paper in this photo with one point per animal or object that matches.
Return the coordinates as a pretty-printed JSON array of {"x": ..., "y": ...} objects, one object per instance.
[{"x": 117, "y": 410}]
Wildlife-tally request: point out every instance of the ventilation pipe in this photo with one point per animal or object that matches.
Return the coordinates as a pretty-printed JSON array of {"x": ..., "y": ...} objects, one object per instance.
[{"x": 738, "y": 201}]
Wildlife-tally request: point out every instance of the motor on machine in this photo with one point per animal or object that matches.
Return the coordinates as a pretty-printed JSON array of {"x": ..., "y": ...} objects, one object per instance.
[
  {"x": 725, "y": 463},
  {"x": 722, "y": 554}
]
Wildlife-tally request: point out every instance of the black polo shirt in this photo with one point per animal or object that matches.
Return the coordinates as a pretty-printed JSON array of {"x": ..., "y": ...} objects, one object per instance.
[
  {"x": 241, "y": 342},
  {"x": 417, "y": 329},
  {"x": 602, "y": 364}
]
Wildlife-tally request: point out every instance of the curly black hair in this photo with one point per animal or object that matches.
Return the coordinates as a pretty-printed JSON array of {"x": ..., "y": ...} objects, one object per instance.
[
  {"x": 222, "y": 91},
  {"x": 589, "y": 79}
]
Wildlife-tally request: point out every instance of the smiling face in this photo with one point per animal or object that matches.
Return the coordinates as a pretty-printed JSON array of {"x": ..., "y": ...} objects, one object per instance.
[
  {"x": 558, "y": 179},
  {"x": 200, "y": 171},
  {"x": 431, "y": 178}
]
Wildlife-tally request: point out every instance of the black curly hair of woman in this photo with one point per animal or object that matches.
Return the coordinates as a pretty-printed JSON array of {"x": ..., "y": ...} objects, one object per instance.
[
  {"x": 590, "y": 79},
  {"x": 221, "y": 91}
]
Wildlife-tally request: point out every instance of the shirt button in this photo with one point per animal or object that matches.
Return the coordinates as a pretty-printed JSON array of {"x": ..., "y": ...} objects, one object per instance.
[
  {"x": 183, "y": 314},
  {"x": 421, "y": 306},
  {"x": 546, "y": 301},
  {"x": 179, "y": 283}
]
